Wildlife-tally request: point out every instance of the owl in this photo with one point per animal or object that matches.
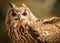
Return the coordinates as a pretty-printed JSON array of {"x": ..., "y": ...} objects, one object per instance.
[
  {"x": 16, "y": 20},
  {"x": 23, "y": 27}
]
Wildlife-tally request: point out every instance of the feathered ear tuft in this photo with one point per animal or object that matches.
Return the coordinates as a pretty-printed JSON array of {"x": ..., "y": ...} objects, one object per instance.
[
  {"x": 26, "y": 8},
  {"x": 24, "y": 5},
  {"x": 12, "y": 5}
]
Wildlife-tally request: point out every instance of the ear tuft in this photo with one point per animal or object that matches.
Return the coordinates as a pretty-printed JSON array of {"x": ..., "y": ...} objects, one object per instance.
[
  {"x": 23, "y": 5},
  {"x": 12, "y": 5}
]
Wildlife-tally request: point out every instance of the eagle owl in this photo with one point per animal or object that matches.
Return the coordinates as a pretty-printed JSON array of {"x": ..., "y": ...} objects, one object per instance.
[{"x": 23, "y": 27}]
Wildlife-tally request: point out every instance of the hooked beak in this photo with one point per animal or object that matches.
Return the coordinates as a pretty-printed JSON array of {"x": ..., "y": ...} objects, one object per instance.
[{"x": 17, "y": 18}]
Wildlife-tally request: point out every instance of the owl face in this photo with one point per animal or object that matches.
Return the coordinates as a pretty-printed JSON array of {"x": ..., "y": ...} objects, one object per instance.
[{"x": 15, "y": 14}]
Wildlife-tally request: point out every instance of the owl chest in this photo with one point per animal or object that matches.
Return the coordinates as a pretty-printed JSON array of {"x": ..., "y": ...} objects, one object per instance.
[{"x": 19, "y": 35}]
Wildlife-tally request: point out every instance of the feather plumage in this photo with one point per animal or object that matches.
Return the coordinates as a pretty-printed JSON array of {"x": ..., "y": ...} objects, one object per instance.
[{"x": 24, "y": 27}]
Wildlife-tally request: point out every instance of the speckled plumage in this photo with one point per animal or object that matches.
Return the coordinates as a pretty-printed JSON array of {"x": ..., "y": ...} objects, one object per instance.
[{"x": 24, "y": 27}]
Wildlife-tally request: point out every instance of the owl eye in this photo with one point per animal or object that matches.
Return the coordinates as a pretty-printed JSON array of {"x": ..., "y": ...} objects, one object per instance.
[
  {"x": 24, "y": 14},
  {"x": 14, "y": 14}
]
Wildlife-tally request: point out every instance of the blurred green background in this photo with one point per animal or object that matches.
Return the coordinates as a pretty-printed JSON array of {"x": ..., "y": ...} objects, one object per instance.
[{"x": 40, "y": 8}]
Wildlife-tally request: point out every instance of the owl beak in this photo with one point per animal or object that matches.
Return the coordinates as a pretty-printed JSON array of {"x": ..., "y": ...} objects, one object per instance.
[{"x": 17, "y": 18}]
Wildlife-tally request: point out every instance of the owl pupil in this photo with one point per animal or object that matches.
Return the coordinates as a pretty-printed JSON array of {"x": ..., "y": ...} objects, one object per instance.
[
  {"x": 14, "y": 14},
  {"x": 24, "y": 14}
]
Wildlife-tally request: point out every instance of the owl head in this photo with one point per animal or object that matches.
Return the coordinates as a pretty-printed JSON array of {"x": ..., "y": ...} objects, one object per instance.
[{"x": 15, "y": 14}]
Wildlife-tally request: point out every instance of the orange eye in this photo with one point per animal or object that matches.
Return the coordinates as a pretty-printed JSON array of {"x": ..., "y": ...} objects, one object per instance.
[
  {"x": 14, "y": 14},
  {"x": 24, "y": 14}
]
